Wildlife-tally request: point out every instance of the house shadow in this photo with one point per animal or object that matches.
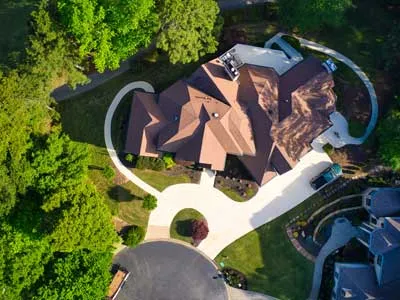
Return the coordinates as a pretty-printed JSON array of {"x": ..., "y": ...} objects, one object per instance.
[{"x": 121, "y": 194}]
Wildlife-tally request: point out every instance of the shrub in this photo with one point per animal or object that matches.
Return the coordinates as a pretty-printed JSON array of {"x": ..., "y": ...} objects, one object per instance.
[
  {"x": 149, "y": 202},
  {"x": 168, "y": 160},
  {"x": 108, "y": 172},
  {"x": 199, "y": 231},
  {"x": 328, "y": 148},
  {"x": 150, "y": 163},
  {"x": 134, "y": 236},
  {"x": 129, "y": 158}
]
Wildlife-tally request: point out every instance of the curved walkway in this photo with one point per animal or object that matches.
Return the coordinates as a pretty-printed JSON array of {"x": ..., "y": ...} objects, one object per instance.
[
  {"x": 372, "y": 94},
  {"x": 108, "y": 136},
  {"x": 228, "y": 220},
  {"x": 342, "y": 233},
  {"x": 332, "y": 214}
]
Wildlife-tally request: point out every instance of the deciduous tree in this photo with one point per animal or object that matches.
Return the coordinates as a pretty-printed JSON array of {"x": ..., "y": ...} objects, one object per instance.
[
  {"x": 76, "y": 275},
  {"x": 389, "y": 139},
  {"x": 189, "y": 29},
  {"x": 22, "y": 261},
  {"x": 109, "y": 31},
  {"x": 84, "y": 222},
  {"x": 312, "y": 14}
]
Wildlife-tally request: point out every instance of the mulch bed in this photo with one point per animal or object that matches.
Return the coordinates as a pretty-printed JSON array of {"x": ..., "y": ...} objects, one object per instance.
[
  {"x": 235, "y": 278},
  {"x": 191, "y": 171}
]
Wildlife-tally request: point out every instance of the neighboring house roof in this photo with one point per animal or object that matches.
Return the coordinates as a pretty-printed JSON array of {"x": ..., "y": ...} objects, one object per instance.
[
  {"x": 358, "y": 282},
  {"x": 385, "y": 202},
  {"x": 386, "y": 243},
  {"x": 267, "y": 120}
]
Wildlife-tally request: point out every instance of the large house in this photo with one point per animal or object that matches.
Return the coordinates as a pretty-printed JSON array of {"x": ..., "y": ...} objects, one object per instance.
[
  {"x": 260, "y": 106},
  {"x": 379, "y": 280}
]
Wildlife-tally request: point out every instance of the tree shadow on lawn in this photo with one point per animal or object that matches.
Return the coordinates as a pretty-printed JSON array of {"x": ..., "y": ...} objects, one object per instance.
[
  {"x": 184, "y": 227},
  {"x": 121, "y": 194}
]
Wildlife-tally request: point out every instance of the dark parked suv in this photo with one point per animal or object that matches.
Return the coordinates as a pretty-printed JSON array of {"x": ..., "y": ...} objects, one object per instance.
[{"x": 327, "y": 176}]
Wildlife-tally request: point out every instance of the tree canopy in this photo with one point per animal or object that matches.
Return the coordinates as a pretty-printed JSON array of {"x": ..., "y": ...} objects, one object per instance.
[
  {"x": 312, "y": 14},
  {"x": 107, "y": 30},
  {"x": 389, "y": 139},
  {"x": 189, "y": 29},
  {"x": 76, "y": 275},
  {"x": 22, "y": 261}
]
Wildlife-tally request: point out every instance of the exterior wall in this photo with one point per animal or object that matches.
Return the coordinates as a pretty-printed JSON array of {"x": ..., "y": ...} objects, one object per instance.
[
  {"x": 378, "y": 268},
  {"x": 367, "y": 197}
]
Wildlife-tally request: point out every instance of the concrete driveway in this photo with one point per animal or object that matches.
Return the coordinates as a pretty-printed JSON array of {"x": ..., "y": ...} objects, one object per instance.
[
  {"x": 229, "y": 220},
  {"x": 169, "y": 271}
]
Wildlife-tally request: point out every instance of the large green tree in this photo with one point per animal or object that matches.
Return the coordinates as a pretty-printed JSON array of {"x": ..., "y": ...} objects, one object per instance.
[
  {"x": 308, "y": 15},
  {"x": 24, "y": 112},
  {"x": 108, "y": 30},
  {"x": 77, "y": 275},
  {"x": 189, "y": 29},
  {"x": 389, "y": 139},
  {"x": 22, "y": 261},
  {"x": 85, "y": 222},
  {"x": 51, "y": 58}
]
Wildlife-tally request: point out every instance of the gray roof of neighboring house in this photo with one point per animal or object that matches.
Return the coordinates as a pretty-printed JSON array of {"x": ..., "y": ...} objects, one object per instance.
[
  {"x": 358, "y": 282},
  {"x": 386, "y": 242},
  {"x": 385, "y": 202}
]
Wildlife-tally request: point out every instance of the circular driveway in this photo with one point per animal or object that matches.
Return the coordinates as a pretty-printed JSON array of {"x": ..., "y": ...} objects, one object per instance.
[{"x": 168, "y": 271}]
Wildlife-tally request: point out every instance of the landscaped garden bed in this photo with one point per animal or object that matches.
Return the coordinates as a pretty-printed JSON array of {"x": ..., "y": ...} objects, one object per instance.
[
  {"x": 182, "y": 225},
  {"x": 235, "y": 181},
  {"x": 234, "y": 278}
]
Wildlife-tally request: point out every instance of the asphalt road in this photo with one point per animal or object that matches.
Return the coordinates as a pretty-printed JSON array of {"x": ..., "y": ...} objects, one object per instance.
[{"x": 168, "y": 271}]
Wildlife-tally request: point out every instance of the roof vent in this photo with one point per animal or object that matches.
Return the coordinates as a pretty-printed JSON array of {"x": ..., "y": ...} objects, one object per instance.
[
  {"x": 231, "y": 64},
  {"x": 215, "y": 114}
]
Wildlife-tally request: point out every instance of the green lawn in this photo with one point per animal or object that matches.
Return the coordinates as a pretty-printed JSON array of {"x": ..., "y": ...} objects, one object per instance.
[
  {"x": 268, "y": 259},
  {"x": 235, "y": 196},
  {"x": 159, "y": 180},
  {"x": 14, "y": 17},
  {"x": 181, "y": 226},
  {"x": 232, "y": 194}
]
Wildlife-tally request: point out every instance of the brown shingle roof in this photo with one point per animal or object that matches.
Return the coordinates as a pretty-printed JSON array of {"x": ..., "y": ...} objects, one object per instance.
[
  {"x": 267, "y": 120},
  {"x": 145, "y": 122}
]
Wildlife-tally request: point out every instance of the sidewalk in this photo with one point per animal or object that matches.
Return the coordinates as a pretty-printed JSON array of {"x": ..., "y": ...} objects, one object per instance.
[{"x": 342, "y": 233}]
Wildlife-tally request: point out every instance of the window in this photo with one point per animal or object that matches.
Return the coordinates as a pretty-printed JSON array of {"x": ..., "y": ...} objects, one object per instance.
[{"x": 379, "y": 260}]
